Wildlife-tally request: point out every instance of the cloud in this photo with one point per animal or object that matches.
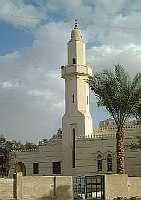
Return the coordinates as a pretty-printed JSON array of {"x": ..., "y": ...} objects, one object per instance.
[
  {"x": 107, "y": 56},
  {"x": 31, "y": 88},
  {"x": 9, "y": 84},
  {"x": 19, "y": 14}
]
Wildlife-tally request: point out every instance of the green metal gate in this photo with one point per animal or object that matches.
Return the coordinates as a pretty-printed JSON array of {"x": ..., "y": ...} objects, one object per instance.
[{"x": 88, "y": 187}]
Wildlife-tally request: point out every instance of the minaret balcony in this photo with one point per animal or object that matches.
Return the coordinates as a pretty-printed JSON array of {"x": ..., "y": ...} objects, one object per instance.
[{"x": 74, "y": 69}]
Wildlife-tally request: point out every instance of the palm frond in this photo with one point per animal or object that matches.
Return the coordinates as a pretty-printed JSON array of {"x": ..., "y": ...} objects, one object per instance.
[{"x": 116, "y": 91}]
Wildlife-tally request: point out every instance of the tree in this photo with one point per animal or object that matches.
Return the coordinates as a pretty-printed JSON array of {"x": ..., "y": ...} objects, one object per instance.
[
  {"x": 6, "y": 147},
  {"x": 137, "y": 113},
  {"x": 29, "y": 146},
  {"x": 4, "y": 156},
  {"x": 116, "y": 91}
]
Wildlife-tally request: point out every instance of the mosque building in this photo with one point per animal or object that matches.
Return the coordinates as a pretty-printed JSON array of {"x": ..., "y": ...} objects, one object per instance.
[{"x": 78, "y": 149}]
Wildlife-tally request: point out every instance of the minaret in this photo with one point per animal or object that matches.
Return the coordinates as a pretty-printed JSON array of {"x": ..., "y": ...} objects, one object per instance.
[{"x": 77, "y": 119}]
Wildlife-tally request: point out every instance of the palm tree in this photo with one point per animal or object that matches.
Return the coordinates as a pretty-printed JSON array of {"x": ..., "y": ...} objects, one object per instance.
[
  {"x": 116, "y": 91},
  {"x": 137, "y": 113}
]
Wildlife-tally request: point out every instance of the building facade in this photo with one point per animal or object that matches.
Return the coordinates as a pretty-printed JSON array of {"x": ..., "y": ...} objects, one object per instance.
[{"x": 78, "y": 149}]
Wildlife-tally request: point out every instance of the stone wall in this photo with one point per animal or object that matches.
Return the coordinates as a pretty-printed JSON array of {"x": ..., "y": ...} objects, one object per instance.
[
  {"x": 122, "y": 186},
  {"x": 6, "y": 189},
  {"x": 134, "y": 186},
  {"x": 36, "y": 188},
  {"x": 47, "y": 154},
  {"x": 87, "y": 149},
  {"x": 44, "y": 187},
  {"x": 61, "y": 187},
  {"x": 116, "y": 186}
]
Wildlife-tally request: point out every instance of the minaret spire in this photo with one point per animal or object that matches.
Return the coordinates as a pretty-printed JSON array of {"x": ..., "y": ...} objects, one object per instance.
[
  {"x": 76, "y": 47},
  {"x": 76, "y": 24}
]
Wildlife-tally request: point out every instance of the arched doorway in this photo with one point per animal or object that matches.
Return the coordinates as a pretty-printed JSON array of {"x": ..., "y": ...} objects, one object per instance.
[{"x": 20, "y": 167}]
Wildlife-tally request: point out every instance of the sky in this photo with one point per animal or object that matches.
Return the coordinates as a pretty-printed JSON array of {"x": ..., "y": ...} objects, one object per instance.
[{"x": 33, "y": 46}]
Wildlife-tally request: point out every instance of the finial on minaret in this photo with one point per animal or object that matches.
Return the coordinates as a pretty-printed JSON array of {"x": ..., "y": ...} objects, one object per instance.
[{"x": 76, "y": 24}]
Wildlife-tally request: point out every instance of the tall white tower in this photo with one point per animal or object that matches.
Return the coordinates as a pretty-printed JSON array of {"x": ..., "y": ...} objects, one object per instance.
[{"x": 77, "y": 119}]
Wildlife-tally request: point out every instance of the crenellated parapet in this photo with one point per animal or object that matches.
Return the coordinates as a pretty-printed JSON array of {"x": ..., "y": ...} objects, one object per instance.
[
  {"x": 25, "y": 150},
  {"x": 97, "y": 136},
  {"x": 100, "y": 133},
  {"x": 98, "y": 130}
]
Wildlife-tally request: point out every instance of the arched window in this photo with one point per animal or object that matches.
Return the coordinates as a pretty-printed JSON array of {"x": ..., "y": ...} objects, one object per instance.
[
  {"x": 99, "y": 163},
  {"x": 74, "y": 60},
  {"x": 109, "y": 163}
]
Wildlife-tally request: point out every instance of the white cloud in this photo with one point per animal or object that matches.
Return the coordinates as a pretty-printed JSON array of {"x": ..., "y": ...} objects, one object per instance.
[
  {"x": 62, "y": 4},
  {"x": 107, "y": 56},
  {"x": 19, "y": 14},
  {"x": 35, "y": 105},
  {"x": 10, "y": 84}
]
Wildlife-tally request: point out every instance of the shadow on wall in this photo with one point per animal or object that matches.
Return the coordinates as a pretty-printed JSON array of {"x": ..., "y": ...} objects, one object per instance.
[{"x": 60, "y": 193}]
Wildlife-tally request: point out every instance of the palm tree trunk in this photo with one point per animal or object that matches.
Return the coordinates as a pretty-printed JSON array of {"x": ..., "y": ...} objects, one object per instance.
[{"x": 120, "y": 151}]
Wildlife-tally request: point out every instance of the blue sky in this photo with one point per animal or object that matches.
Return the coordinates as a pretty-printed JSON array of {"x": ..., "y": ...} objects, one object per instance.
[
  {"x": 33, "y": 46},
  {"x": 14, "y": 39}
]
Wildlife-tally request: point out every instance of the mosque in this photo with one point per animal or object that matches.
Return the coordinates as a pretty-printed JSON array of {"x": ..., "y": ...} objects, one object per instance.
[{"x": 78, "y": 149}]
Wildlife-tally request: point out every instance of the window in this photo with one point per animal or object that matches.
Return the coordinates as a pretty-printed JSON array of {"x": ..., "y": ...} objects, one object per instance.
[
  {"x": 73, "y": 98},
  {"x": 87, "y": 100},
  {"x": 35, "y": 168},
  {"x": 99, "y": 163},
  {"x": 109, "y": 163},
  {"x": 74, "y": 61},
  {"x": 56, "y": 166},
  {"x": 73, "y": 148}
]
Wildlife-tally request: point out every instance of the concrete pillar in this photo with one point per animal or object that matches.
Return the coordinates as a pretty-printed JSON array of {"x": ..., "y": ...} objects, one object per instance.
[
  {"x": 19, "y": 186},
  {"x": 15, "y": 186}
]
